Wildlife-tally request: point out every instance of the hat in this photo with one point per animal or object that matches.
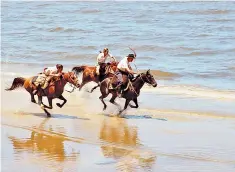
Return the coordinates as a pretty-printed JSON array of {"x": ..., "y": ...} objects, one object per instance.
[{"x": 131, "y": 55}]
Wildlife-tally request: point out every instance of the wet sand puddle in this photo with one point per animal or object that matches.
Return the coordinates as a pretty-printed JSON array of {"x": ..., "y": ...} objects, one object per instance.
[{"x": 127, "y": 143}]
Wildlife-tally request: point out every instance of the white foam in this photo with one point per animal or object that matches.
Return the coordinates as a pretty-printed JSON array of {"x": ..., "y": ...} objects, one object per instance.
[{"x": 192, "y": 91}]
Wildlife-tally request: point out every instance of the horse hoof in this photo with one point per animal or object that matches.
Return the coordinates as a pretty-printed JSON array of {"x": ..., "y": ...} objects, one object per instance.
[
  {"x": 48, "y": 115},
  {"x": 58, "y": 105},
  {"x": 104, "y": 108},
  {"x": 42, "y": 107},
  {"x": 119, "y": 112}
]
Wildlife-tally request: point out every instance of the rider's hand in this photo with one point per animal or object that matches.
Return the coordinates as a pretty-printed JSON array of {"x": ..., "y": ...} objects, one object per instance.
[{"x": 132, "y": 72}]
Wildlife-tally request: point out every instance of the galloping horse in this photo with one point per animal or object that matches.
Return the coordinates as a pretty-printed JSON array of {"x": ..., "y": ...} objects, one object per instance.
[
  {"x": 54, "y": 90},
  {"x": 132, "y": 91},
  {"x": 89, "y": 73}
]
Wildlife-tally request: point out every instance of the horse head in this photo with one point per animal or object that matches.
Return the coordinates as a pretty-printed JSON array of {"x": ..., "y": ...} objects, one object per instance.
[
  {"x": 71, "y": 77},
  {"x": 148, "y": 78}
]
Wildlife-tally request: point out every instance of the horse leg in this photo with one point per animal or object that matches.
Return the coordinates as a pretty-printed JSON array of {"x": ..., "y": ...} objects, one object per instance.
[
  {"x": 102, "y": 100},
  {"x": 32, "y": 98},
  {"x": 50, "y": 103},
  {"x": 94, "y": 88},
  {"x": 126, "y": 104},
  {"x": 104, "y": 93},
  {"x": 61, "y": 98},
  {"x": 136, "y": 103},
  {"x": 43, "y": 106},
  {"x": 112, "y": 100},
  {"x": 82, "y": 84}
]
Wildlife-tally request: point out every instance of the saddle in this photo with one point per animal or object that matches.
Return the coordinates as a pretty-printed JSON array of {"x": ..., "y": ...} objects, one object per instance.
[
  {"x": 106, "y": 68},
  {"x": 41, "y": 79},
  {"x": 115, "y": 83}
]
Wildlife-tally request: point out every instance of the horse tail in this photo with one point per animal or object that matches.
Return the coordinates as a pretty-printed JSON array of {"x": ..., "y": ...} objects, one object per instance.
[
  {"x": 17, "y": 82},
  {"x": 78, "y": 69}
]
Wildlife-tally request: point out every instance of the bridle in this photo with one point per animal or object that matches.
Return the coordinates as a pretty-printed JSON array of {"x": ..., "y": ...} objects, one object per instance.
[
  {"x": 148, "y": 83},
  {"x": 71, "y": 85}
]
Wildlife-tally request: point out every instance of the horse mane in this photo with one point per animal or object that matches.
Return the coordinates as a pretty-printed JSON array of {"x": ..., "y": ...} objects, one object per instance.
[{"x": 135, "y": 78}]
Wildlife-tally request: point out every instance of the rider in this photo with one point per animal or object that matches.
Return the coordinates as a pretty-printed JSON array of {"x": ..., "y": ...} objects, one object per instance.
[
  {"x": 50, "y": 72},
  {"x": 101, "y": 58},
  {"x": 124, "y": 69}
]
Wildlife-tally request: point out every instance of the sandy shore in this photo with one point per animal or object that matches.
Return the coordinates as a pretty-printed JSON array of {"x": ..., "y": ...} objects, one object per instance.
[{"x": 169, "y": 133}]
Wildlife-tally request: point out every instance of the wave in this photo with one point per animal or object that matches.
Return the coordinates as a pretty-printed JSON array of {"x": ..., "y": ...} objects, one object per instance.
[
  {"x": 220, "y": 74},
  {"x": 62, "y": 29},
  {"x": 199, "y": 53},
  {"x": 57, "y": 29},
  {"x": 155, "y": 113},
  {"x": 232, "y": 68},
  {"x": 161, "y": 48},
  {"x": 220, "y": 20},
  {"x": 212, "y": 11},
  {"x": 162, "y": 74},
  {"x": 203, "y": 35},
  {"x": 89, "y": 11},
  {"x": 150, "y": 48},
  {"x": 201, "y": 12},
  {"x": 194, "y": 91}
]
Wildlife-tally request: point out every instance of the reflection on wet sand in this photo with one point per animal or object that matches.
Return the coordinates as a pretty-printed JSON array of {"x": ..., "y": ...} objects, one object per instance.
[
  {"x": 50, "y": 146},
  {"x": 124, "y": 146}
]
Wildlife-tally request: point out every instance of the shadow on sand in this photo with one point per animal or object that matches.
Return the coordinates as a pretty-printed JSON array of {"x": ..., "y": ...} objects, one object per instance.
[
  {"x": 57, "y": 116},
  {"x": 135, "y": 116}
]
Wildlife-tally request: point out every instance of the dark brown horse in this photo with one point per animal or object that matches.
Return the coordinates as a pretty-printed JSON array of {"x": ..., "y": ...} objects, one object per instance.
[
  {"x": 132, "y": 92},
  {"x": 89, "y": 73},
  {"x": 54, "y": 90}
]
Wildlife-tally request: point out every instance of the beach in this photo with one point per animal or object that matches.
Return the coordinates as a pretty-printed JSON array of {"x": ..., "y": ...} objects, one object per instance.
[
  {"x": 186, "y": 123},
  {"x": 159, "y": 136}
]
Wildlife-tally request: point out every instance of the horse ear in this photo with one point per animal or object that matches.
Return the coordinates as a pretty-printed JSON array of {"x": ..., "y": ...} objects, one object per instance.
[{"x": 148, "y": 71}]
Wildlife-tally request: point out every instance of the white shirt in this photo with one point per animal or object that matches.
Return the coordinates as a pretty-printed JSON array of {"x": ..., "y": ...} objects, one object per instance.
[
  {"x": 101, "y": 58},
  {"x": 124, "y": 65},
  {"x": 51, "y": 70}
]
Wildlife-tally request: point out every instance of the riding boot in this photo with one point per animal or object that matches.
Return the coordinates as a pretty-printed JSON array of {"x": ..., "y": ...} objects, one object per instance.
[
  {"x": 100, "y": 77},
  {"x": 120, "y": 90}
]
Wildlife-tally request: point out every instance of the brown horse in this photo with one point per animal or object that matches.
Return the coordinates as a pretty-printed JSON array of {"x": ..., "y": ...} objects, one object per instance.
[
  {"x": 132, "y": 92},
  {"x": 54, "y": 90},
  {"x": 89, "y": 73}
]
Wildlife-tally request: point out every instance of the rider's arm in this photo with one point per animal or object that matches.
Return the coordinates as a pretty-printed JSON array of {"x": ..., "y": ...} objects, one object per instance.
[
  {"x": 110, "y": 55},
  {"x": 129, "y": 69},
  {"x": 98, "y": 57},
  {"x": 55, "y": 73},
  {"x": 114, "y": 58},
  {"x": 58, "y": 74}
]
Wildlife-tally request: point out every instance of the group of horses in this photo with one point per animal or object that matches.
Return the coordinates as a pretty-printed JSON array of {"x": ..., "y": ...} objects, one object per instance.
[{"x": 56, "y": 88}]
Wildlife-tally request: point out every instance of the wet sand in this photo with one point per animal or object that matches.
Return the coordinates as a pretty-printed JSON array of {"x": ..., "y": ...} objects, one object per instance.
[{"x": 170, "y": 133}]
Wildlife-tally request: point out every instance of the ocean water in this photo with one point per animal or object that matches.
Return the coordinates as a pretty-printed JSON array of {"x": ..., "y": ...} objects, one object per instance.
[{"x": 193, "y": 43}]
